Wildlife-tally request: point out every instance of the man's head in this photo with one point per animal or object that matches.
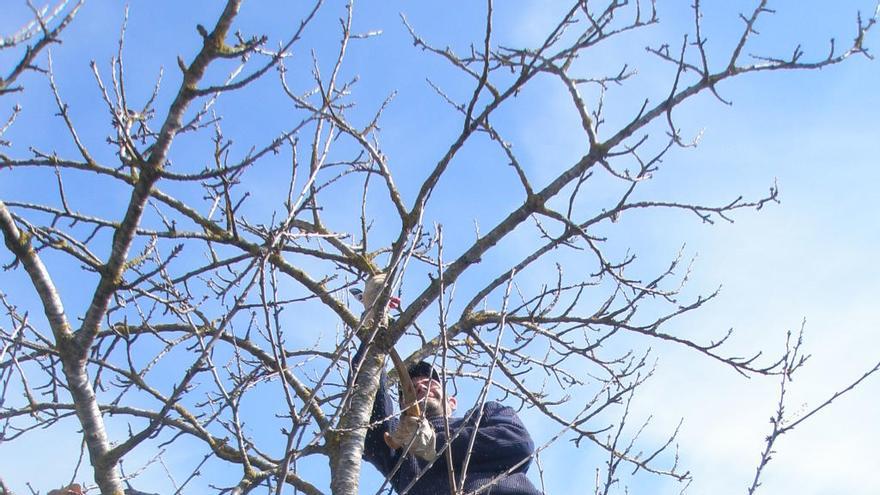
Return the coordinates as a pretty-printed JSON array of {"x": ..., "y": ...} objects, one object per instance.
[{"x": 429, "y": 390}]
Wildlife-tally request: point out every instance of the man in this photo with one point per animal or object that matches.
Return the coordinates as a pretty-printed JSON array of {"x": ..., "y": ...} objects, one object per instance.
[{"x": 499, "y": 458}]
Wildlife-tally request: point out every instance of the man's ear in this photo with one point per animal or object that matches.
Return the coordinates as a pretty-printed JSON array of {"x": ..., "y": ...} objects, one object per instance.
[{"x": 453, "y": 402}]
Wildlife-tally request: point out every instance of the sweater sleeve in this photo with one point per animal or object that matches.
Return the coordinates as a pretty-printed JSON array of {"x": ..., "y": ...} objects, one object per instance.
[
  {"x": 382, "y": 420},
  {"x": 501, "y": 442}
]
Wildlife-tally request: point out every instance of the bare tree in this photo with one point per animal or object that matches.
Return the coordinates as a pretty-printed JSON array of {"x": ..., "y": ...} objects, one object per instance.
[{"x": 222, "y": 279}]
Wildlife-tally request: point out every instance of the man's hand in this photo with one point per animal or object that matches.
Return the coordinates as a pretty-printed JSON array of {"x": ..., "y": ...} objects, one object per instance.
[
  {"x": 74, "y": 489},
  {"x": 419, "y": 431},
  {"x": 368, "y": 296}
]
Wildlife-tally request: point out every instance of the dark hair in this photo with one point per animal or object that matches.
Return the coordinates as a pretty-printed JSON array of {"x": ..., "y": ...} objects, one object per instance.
[{"x": 423, "y": 369}]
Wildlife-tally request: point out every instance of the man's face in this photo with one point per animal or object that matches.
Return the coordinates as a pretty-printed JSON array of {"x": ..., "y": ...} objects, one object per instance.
[{"x": 430, "y": 393}]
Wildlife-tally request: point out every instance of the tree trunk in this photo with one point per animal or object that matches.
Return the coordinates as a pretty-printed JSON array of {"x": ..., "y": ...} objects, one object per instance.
[
  {"x": 345, "y": 463},
  {"x": 107, "y": 474}
]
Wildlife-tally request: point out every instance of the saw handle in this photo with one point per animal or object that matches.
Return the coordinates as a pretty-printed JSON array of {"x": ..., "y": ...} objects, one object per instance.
[{"x": 406, "y": 385}]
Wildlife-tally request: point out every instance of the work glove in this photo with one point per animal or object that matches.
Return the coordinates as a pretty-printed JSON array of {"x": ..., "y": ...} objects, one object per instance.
[
  {"x": 419, "y": 431},
  {"x": 74, "y": 489},
  {"x": 372, "y": 290}
]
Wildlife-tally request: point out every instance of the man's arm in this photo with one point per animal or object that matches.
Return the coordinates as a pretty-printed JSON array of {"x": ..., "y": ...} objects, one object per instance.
[
  {"x": 382, "y": 421},
  {"x": 412, "y": 430}
]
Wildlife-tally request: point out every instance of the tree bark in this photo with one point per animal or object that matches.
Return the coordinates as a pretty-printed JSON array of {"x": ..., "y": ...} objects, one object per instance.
[
  {"x": 73, "y": 358},
  {"x": 345, "y": 464}
]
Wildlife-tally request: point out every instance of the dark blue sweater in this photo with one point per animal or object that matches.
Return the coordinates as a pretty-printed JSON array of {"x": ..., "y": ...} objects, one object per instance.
[{"x": 501, "y": 443}]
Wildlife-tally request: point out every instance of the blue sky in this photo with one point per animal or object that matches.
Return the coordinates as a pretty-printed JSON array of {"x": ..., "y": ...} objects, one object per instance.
[{"x": 809, "y": 258}]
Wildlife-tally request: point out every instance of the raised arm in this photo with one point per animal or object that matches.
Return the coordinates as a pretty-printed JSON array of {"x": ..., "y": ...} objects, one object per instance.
[{"x": 382, "y": 420}]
